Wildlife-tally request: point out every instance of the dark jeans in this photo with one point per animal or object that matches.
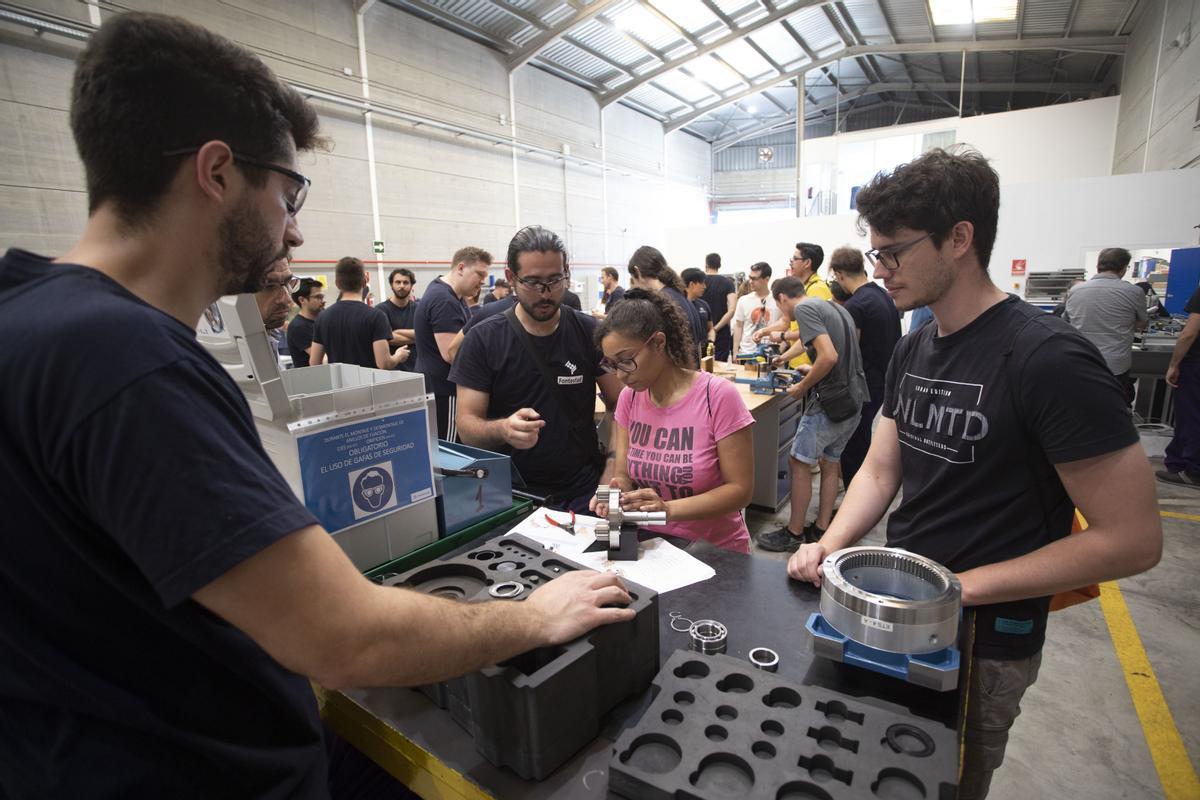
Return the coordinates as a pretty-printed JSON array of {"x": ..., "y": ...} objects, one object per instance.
[
  {"x": 723, "y": 346},
  {"x": 856, "y": 449},
  {"x": 1183, "y": 453},
  {"x": 993, "y": 703}
]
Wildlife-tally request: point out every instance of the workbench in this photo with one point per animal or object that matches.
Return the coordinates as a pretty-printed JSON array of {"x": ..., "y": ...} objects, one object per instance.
[
  {"x": 775, "y": 419},
  {"x": 407, "y": 735}
]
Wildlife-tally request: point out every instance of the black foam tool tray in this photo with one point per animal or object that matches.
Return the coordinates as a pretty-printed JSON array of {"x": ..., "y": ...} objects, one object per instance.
[
  {"x": 533, "y": 712},
  {"x": 719, "y": 728}
]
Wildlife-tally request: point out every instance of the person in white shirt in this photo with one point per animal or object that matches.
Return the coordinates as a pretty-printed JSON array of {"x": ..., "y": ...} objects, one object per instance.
[{"x": 755, "y": 310}]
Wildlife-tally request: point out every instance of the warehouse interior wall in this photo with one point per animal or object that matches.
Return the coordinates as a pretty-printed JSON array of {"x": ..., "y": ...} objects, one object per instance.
[
  {"x": 1068, "y": 140},
  {"x": 437, "y": 190},
  {"x": 1159, "y": 125},
  {"x": 1049, "y": 224}
]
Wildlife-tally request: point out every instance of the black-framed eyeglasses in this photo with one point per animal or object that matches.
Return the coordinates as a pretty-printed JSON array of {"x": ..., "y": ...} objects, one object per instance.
[
  {"x": 543, "y": 287},
  {"x": 293, "y": 203},
  {"x": 627, "y": 364},
  {"x": 889, "y": 257}
]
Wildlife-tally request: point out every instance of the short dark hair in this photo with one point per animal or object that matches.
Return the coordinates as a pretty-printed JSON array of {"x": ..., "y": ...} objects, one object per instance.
[
  {"x": 692, "y": 275},
  {"x": 535, "y": 239},
  {"x": 712, "y": 261},
  {"x": 612, "y": 273},
  {"x": 146, "y": 84},
  {"x": 813, "y": 252},
  {"x": 848, "y": 261},
  {"x": 641, "y": 314},
  {"x": 788, "y": 287},
  {"x": 1113, "y": 259},
  {"x": 349, "y": 275},
  {"x": 764, "y": 269},
  {"x": 306, "y": 287},
  {"x": 501, "y": 284},
  {"x": 932, "y": 193},
  {"x": 470, "y": 255},
  {"x": 408, "y": 273},
  {"x": 649, "y": 262}
]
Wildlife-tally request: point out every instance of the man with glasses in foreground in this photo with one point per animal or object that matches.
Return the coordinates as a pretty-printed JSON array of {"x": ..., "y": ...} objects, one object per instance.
[
  {"x": 998, "y": 421},
  {"x": 166, "y": 598},
  {"x": 527, "y": 378}
]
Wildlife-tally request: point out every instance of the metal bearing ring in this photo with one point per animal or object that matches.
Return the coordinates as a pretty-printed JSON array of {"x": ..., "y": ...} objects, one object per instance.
[
  {"x": 708, "y": 636},
  {"x": 764, "y": 658},
  {"x": 507, "y": 590},
  {"x": 890, "y": 599}
]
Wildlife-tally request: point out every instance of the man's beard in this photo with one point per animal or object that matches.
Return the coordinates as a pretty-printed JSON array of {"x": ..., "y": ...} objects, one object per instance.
[
  {"x": 246, "y": 252},
  {"x": 543, "y": 309},
  {"x": 404, "y": 296}
]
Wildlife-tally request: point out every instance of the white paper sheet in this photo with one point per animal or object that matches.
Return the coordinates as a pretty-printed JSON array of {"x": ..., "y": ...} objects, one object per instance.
[{"x": 661, "y": 566}]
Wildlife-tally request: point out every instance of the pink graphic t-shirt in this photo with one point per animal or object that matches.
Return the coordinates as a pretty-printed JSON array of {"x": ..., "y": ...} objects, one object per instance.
[{"x": 673, "y": 450}]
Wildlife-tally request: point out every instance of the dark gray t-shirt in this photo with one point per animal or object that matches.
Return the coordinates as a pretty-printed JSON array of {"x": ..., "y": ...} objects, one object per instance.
[{"x": 814, "y": 317}]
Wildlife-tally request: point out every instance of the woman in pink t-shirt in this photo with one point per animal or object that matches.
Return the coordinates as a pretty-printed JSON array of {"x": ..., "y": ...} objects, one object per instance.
[{"x": 683, "y": 437}]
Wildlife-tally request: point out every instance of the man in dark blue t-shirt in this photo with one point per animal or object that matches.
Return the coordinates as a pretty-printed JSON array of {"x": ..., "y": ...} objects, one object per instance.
[
  {"x": 721, "y": 297},
  {"x": 613, "y": 292},
  {"x": 401, "y": 310},
  {"x": 506, "y": 399},
  {"x": 998, "y": 421},
  {"x": 310, "y": 300},
  {"x": 878, "y": 324},
  {"x": 439, "y": 320},
  {"x": 350, "y": 331},
  {"x": 165, "y": 599},
  {"x": 693, "y": 282},
  {"x": 1181, "y": 464}
]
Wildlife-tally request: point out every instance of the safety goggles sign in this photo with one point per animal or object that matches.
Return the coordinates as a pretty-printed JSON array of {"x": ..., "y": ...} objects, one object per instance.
[{"x": 365, "y": 469}]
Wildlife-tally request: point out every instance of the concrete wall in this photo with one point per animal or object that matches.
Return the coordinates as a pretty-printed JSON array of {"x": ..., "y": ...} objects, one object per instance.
[
  {"x": 437, "y": 191},
  {"x": 1160, "y": 90}
]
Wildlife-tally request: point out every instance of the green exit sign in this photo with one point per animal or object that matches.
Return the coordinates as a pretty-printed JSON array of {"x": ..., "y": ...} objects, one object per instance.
[{"x": 378, "y": 246}]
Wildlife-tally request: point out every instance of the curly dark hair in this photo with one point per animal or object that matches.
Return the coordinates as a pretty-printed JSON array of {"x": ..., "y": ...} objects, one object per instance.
[
  {"x": 643, "y": 313},
  {"x": 932, "y": 193},
  {"x": 147, "y": 84},
  {"x": 649, "y": 262}
]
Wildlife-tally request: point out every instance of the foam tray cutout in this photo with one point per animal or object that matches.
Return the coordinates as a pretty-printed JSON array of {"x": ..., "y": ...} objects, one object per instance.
[{"x": 719, "y": 728}]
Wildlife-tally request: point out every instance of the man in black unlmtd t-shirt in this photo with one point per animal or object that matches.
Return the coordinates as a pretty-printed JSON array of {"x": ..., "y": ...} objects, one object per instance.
[
  {"x": 166, "y": 600},
  {"x": 439, "y": 321},
  {"x": 350, "y": 331},
  {"x": 504, "y": 399},
  {"x": 878, "y": 324},
  {"x": 310, "y": 299},
  {"x": 401, "y": 310},
  {"x": 998, "y": 420},
  {"x": 721, "y": 297}
]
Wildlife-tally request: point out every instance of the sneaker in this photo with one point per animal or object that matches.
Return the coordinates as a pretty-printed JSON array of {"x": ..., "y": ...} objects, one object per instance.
[
  {"x": 780, "y": 540},
  {"x": 1178, "y": 478},
  {"x": 813, "y": 533}
]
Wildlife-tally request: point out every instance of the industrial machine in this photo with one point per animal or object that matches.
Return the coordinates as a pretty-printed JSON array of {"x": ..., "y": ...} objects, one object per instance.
[
  {"x": 355, "y": 445},
  {"x": 892, "y": 612},
  {"x": 768, "y": 379}
]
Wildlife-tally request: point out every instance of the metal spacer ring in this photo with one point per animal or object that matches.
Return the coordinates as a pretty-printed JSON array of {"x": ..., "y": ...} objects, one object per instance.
[
  {"x": 764, "y": 658},
  {"x": 507, "y": 590}
]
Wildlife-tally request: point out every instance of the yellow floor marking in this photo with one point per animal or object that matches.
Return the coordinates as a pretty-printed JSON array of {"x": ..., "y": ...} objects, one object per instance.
[
  {"x": 1175, "y": 770},
  {"x": 1178, "y": 515}
]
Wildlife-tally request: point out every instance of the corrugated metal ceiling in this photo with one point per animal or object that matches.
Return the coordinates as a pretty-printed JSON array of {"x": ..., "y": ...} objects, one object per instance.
[{"x": 614, "y": 51}]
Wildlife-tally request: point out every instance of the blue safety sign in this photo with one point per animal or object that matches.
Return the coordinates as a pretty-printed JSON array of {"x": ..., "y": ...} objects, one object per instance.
[{"x": 365, "y": 469}]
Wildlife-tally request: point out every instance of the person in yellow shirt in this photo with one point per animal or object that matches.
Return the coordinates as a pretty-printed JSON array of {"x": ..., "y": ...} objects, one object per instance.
[{"x": 804, "y": 263}]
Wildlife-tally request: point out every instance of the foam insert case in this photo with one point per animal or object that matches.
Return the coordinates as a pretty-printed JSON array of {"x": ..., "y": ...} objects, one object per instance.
[
  {"x": 533, "y": 712},
  {"x": 718, "y": 728}
]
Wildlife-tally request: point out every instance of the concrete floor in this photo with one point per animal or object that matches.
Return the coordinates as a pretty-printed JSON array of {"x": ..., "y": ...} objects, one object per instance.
[{"x": 1078, "y": 735}]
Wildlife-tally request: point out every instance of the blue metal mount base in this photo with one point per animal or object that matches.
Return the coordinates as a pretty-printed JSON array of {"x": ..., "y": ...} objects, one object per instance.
[{"x": 937, "y": 670}]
